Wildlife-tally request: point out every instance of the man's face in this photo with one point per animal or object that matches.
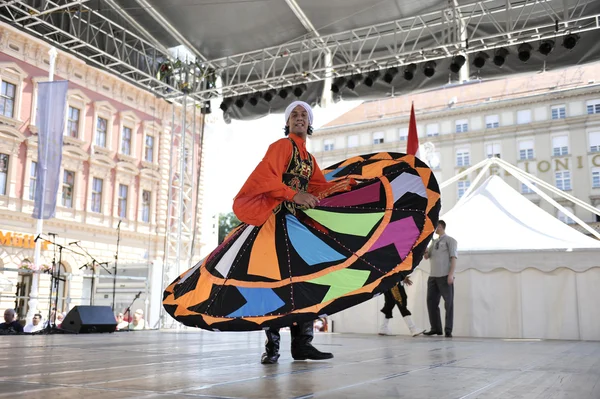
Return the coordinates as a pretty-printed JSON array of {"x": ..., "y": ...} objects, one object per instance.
[
  {"x": 36, "y": 320},
  {"x": 119, "y": 317},
  {"x": 137, "y": 316},
  {"x": 439, "y": 230},
  {"x": 8, "y": 316},
  {"x": 298, "y": 121}
]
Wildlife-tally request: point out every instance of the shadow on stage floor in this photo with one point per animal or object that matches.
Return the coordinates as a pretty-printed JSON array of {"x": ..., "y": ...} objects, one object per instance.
[{"x": 168, "y": 364}]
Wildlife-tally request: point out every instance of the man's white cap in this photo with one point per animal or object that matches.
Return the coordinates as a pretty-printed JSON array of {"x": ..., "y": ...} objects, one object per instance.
[{"x": 304, "y": 105}]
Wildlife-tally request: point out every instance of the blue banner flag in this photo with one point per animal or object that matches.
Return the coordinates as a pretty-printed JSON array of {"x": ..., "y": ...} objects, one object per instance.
[{"x": 51, "y": 111}]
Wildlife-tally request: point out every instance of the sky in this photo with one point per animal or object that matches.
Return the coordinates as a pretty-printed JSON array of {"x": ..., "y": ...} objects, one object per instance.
[{"x": 233, "y": 151}]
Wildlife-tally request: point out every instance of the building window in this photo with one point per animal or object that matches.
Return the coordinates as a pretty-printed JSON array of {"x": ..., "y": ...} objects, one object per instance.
[
  {"x": 462, "y": 126},
  {"x": 126, "y": 141},
  {"x": 525, "y": 189},
  {"x": 328, "y": 145},
  {"x": 352, "y": 141},
  {"x": 593, "y": 107},
  {"x": 594, "y": 142},
  {"x": 67, "y": 188},
  {"x": 463, "y": 186},
  {"x": 596, "y": 177},
  {"x": 525, "y": 150},
  {"x": 97, "y": 195},
  {"x": 559, "y": 112},
  {"x": 146, "y": 198},
  {"x": 524, "y": 116},
  {"x": 493, "y": 150},
  {"x": 3, "y": 173},
  {"x": 8, "y": 93},
  {"x": 403, "y": 134},
  {"x": 560, "y": 146},
  {"x": 564, "y": 218},
  {"x": 492, "y": 121},
  {"x": 149, "y": 149},
  {"x": 563, "y": 180},
  {"x": 432, "y": 130},
  {"x": 378, "y": 137},
  {"x": 32, "y": 180},
  {"x": 463, "y": 158},
  {"x": 122, "y": 206},
  {"x": 73, "y": 122},
  {"x": 101, "y": 127}
]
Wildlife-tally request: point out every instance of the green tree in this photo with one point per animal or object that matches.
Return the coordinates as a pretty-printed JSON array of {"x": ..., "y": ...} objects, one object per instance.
[{"x": 227, "y": 222}]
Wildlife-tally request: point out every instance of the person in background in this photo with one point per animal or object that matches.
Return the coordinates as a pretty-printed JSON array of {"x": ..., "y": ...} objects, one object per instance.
[
  {"x": 35, "y": 325},
  {"x": 138, "y": 322},
  {"x": 10, "y": 325},
  {"x": 121, "y": 324},
  {"x": 397, "y": 296},
  {"x": 442, "y": 254}
]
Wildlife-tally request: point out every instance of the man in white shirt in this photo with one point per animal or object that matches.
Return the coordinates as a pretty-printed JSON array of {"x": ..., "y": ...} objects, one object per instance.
[
  {"x": 442, "y": 254},
  {"x": 36, "y": 324},
  {"x": 138, "y": 321}
]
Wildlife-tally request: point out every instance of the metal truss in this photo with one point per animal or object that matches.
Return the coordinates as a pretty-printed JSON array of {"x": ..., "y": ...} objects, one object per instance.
[
  {"x": 431, "y": 36},
  {"x": 181, "y": 213},
  {"x": 457, "y": 29},
  {"x": 78, "y": 29}
]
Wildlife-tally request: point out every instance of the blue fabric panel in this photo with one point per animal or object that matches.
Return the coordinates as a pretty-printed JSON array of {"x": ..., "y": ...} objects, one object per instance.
[{"x": 310, "y": 247}]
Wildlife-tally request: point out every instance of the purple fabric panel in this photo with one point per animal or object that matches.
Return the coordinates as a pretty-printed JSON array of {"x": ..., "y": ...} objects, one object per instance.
[
  {"x": 402, "y": 233},
  {"x": 355, "y": 197}
]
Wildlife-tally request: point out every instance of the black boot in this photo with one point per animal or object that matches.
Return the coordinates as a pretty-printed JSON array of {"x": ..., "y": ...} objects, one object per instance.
[
  {"x": 271, "y": 354},
  {"x": 302, "y": 336}
]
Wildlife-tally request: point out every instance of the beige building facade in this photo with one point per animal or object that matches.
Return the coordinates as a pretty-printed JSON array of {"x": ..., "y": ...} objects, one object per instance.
[{"x": 546, "y": 123}]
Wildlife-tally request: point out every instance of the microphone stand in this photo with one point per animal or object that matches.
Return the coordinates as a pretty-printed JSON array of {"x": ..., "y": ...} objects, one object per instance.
[
  {"x": 116, "y": 262},
  {"x": 128, "y": 310},
  {"x": 94, "y": 263}
]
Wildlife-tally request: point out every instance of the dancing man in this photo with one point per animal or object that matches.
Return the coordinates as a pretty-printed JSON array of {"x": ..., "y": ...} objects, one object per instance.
[
  {"x": 397, "y": 296},
  {"x": 288, "y": 176}
]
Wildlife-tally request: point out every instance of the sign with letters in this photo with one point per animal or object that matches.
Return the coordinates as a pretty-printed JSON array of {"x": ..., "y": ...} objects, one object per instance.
[{"x": 19, "y": 240}]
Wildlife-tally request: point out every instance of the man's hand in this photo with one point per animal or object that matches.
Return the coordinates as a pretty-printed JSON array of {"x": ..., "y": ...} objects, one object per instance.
[
  {"x": 426, "y": 255},
  {"x": 305, "y": 199},
  {"x": 407, "y": 281},
  {"x": 451, "y": 279}
]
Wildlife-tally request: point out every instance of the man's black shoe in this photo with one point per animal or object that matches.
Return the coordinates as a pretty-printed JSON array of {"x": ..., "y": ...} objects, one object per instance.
[
  {"x": 448, "y": 335},
  {"x": 432, "y": 333},
  {"x": 309, "y": 352}
]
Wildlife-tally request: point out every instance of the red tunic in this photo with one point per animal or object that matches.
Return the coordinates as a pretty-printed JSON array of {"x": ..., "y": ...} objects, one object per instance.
[{"x": 264, "y": 189}]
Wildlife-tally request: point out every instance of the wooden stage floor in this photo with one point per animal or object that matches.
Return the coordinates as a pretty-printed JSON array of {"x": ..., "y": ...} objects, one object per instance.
[{"x": 197, "y": 364}]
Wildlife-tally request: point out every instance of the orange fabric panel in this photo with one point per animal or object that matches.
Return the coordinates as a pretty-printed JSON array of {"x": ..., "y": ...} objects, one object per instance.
[
  {"x": 382, "y": 155},
  {"x": 195, "y": 296},
  {"x": 376, "y": 169},
  {"x": 263, "y": 257}
]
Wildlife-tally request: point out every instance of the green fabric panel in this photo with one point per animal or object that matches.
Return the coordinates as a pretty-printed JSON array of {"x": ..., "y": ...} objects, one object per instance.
[
  {"x": 342, "y": 282},
  {"x": 358, "y": 224}
]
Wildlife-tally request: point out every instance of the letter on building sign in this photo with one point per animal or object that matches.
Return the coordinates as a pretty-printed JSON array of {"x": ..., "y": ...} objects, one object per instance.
[
  {"x": 596, "y": 160},
  {"x": 545, "y": 168},
  {"x": 579, "y": 162},
  {"x": 561, "y": 162},
  {"x": 527, "y": 167},
  {"x": 5, "y": 239}
]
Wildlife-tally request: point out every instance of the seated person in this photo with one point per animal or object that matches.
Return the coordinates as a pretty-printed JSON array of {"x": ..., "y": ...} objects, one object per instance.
[
  {"x": 36, "y": 324},
  {"x": 10, "y": 325},
  {"x": 121, "y": 324},
  {"x": 138, "y": 321}
]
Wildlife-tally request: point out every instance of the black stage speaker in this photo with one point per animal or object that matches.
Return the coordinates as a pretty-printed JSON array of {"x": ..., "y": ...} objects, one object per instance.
[{"x": 90, "y": 319}]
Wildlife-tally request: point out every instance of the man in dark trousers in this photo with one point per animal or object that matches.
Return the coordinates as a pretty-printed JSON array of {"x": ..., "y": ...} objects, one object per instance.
[{"x": 442, "y": 254}]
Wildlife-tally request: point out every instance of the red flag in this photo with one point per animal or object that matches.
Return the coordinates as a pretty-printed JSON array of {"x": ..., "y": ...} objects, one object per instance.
[{"x": 412, "y": 147}]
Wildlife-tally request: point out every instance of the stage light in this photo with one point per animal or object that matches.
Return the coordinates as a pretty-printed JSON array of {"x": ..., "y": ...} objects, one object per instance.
[
  {"x": 240, "y": 101},
  {"x": 429, "y": 68},
  {"x": 500, "y": 56},
  {"x": 372, "y": 78},
  {"x": 338, "y": 84},
  {"x": 268, "y": 96},
  {"x": 299, "y": 90},
  {"x": 283, "y": 93},
  {"x": 390, "y": 74},
  {"x": 457, "y": 63},
  {"x": 226, "y": 104},
  {"x": 480, "y": 59},
  {"x": 570, "y": 41},
  {"x": 354, "y": 80},
  {"x": 546, "y": 47},
  {"x": 525, "y": 52},
  {"x": 409, "y": 71},
  {"x": 254, "y": 99},
  {"x": 205, "y": 110}
]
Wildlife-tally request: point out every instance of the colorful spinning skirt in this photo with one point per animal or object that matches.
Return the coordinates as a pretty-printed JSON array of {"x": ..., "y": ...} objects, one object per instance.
[{"x": 305, "y": 264}]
